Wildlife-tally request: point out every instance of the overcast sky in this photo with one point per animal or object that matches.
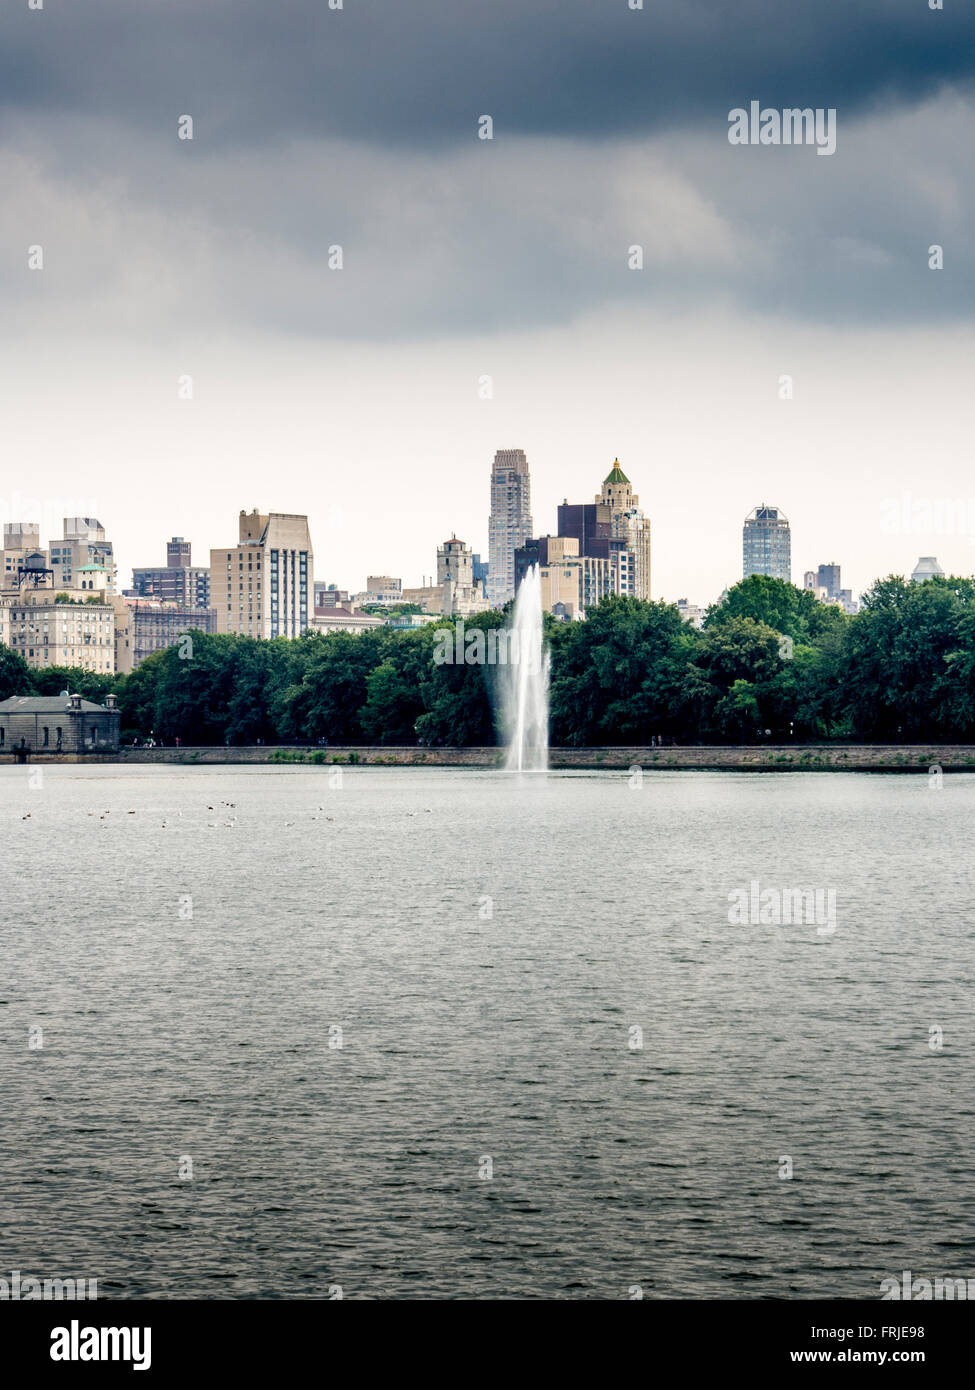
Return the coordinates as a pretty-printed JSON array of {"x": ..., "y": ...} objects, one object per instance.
[{"x": 353, "y": 394}]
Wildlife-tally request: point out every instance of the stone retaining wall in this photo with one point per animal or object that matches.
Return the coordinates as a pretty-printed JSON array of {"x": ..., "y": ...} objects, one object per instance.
[{"x": 780, "y": 758}]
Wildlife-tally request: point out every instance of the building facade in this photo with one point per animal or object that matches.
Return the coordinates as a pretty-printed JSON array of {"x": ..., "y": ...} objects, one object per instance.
[
  {"x": 628, "y": 524},
  {"x": 766, "y": 542},
  {"x": 344, "y": 617},
  {"x": 330, "y": 595},
  {"x": 56, "y": 626},
  {"x": 82, "y": 544},
  {"x": 462, "y": 596},
  {"x": 381, "y": 589},
  {"x": 179, "y": 581},
  {"x": 456, "y": 593},
  {"x": 571, "y": 582},
  {"x": 20, "y": 539},
  {"x": 826, "y": 584},
  {"x": 690, "y": 613},
  {"x": 613, "y": 528},
  {"x": 510, "y": 522},
  {"x": 264, "y": 585},
  {"x": 146, "y": 625},
  {"x": 57, "y": 724}
]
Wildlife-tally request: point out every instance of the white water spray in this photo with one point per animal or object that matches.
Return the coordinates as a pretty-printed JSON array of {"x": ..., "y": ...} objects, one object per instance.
[{"x": 525, "y": 687}]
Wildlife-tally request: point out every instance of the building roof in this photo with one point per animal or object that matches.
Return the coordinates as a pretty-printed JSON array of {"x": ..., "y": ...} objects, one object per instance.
[
  {"x": 616, "y": 474},
  {"x": 927, "y": 567},
  {"x": 46, "y": 704},
  {"x": 763, "y": 512}
]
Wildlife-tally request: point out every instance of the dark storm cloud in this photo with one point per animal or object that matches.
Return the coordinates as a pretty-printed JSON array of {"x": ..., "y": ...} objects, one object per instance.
[
  {"x": 415, "y": 72},
  {"x": 479, "y": 239},
  {"x": 357, "y": 127}
]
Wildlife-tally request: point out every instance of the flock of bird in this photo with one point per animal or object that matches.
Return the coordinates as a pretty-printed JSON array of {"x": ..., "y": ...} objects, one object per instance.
[{"x": 228, "y": 824}]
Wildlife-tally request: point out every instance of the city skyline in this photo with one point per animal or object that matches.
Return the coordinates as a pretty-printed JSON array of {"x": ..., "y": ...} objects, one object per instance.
[{"x": 948, "y": 540}]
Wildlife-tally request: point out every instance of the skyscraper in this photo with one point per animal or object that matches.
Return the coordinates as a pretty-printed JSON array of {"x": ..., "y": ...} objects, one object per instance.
[
  {"x": 767, "y": 543},
  {"x": 510, "y": 523},
  {"x": 613, "y": 528},
  {"x": 627, "y": 523},
  {"x": 264, "y": 585}
]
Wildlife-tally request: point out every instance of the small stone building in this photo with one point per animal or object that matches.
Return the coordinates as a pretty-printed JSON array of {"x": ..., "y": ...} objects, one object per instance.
[{"x": 57, "y": 724}]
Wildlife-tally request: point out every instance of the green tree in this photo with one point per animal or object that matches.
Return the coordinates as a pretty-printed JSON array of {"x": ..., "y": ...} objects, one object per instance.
[
  {"x": 394, "y": 691},
  {"x": 329, "y": 686},
  {"x": 617, "y": 677},
  {"x": 15, "y": 674},
  {"x": 796, "y": 613},
  {"x": 908, "y": 668},
  {"x": 732, "y": 691},
  {"x": 461, "y": 696},
  {"x": 92, "y": 685}
]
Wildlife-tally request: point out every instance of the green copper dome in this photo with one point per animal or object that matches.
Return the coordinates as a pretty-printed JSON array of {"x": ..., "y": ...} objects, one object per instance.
[{"x": 616, "y": 475}]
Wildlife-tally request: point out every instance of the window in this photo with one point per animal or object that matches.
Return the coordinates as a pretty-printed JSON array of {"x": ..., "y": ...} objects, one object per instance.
[{"x": 47, "y": 737}]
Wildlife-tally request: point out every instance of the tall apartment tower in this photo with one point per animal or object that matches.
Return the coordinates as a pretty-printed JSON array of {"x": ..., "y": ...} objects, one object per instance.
[
  {"x": 628, "y": 523},
  {"x": 766, "y": 543},
  {"x": 264, "y": 585},
  {"x": 510, "y": 524}
]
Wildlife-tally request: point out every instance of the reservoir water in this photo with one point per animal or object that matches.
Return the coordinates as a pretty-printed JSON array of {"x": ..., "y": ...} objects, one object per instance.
[{"x": 442, "y": 1034}]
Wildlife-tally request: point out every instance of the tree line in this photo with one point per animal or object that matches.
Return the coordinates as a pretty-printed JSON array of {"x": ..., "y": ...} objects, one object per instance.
[{"x": 769, "y": 663}]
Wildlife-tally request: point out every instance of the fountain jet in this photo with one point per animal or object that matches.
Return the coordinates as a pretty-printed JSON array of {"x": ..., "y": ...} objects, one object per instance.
[{"x": 525, "y": 683}]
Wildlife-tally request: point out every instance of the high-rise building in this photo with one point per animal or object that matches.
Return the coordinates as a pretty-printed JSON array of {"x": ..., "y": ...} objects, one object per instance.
[
  {"x": 179, "y": 581},
  {"x": 510, "y": 523},
  {"x": 628, "y": 523},
  {"x": 83, "y": 543},
  {"x": 825, "y": 583},
  {"x": 570, "y": 582},
  {"x": 264, "y": 585},
  {"x": 828, "y": 578},
  {"x": 589, "y": 523},
  {"x": 767, "y": 543},
  {"x": 613, "y": 528}
]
